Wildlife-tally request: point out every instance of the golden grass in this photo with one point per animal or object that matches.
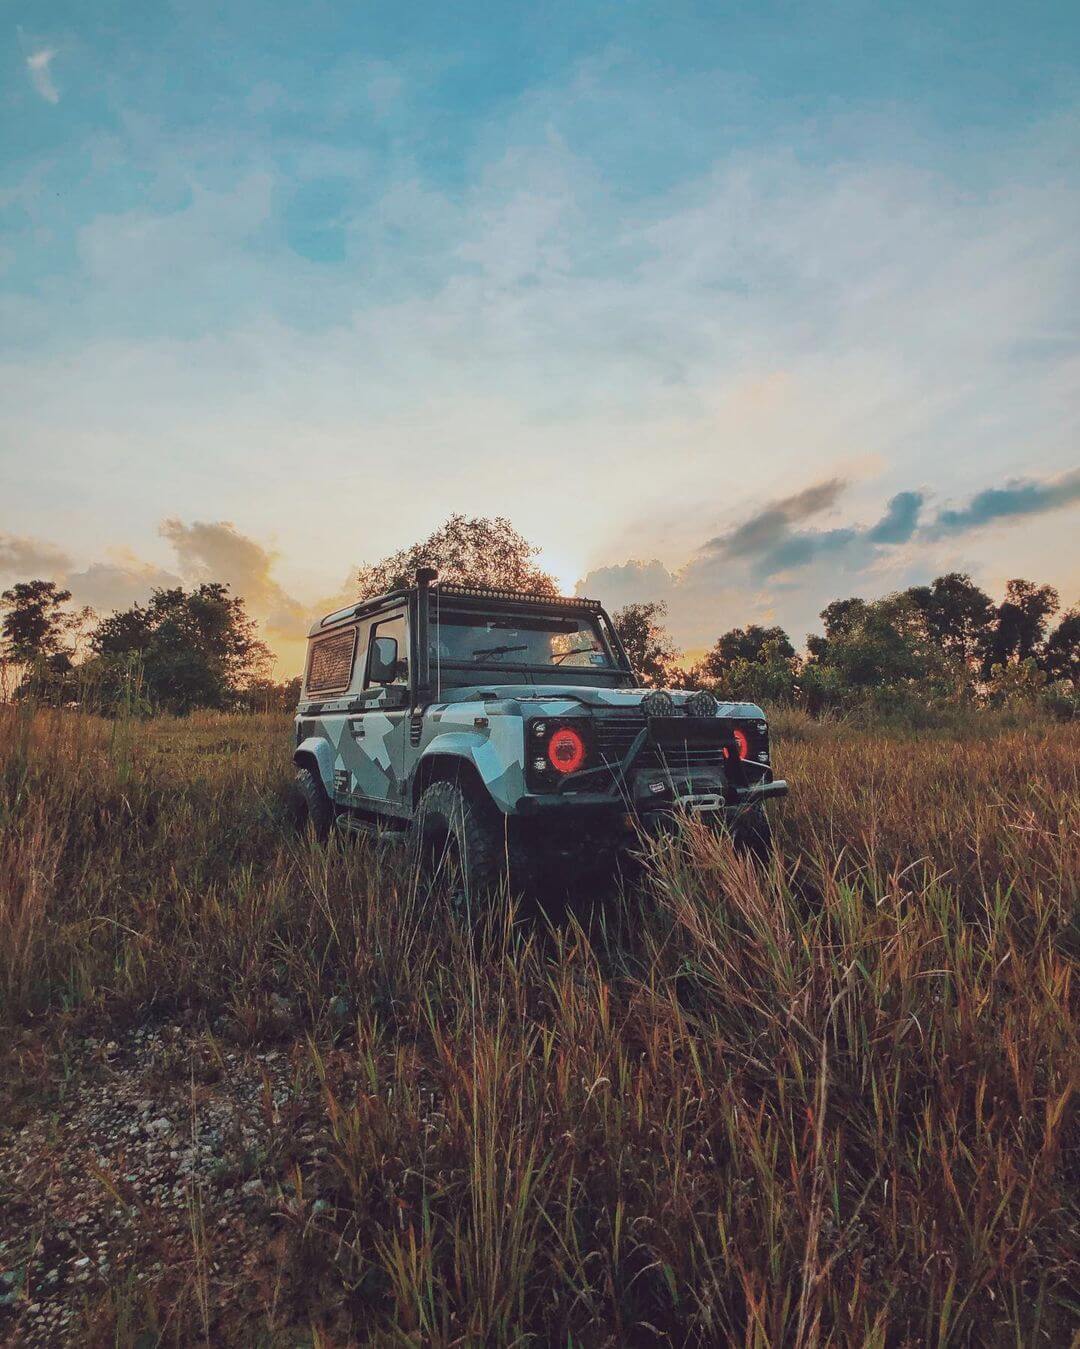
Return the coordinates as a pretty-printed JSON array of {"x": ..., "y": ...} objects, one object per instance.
[{"x": 830, "y": 1103}]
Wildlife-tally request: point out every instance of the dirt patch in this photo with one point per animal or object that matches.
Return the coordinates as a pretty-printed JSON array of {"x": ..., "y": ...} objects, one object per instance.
[{"x": 166, "y": 1184}]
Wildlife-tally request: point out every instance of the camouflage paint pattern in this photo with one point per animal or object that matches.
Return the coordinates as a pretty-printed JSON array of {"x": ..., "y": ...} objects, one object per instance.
[{"x": 372, "y": 753}]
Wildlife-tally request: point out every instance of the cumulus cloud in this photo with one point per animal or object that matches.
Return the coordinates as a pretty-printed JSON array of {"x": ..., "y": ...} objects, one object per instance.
[
  {"x": 629, "y": 583},
  {"x": 38, "y": 63},
  {"x": 217, "y": 551},
  {"x": 24, "y": 559},
  {"x": 205, "y": 551},
  {"x": 119, "y": 582}
]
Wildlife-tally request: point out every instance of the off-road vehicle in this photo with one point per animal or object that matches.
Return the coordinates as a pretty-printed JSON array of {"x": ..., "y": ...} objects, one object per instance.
[{"x": 503, "y": 730}]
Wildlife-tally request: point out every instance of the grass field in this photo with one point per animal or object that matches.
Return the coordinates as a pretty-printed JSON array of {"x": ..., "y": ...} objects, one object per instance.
[{"x": 830, "y": 1104}]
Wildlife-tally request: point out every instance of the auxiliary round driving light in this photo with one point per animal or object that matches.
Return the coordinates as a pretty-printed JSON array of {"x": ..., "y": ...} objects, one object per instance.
[
  {"x": 701, "y": 704},
  {"x": 658, "y": 704}
]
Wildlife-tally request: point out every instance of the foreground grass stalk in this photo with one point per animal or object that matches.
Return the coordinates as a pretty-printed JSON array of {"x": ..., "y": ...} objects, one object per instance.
[{"x": 830, "y": 1101}]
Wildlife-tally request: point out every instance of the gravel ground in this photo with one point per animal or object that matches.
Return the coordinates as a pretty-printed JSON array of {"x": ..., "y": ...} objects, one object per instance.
[{"x": 166, "y": 1175}]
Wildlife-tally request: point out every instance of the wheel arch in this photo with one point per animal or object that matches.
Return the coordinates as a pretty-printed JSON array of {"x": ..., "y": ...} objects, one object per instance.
[
  {"x": 447, "y": 767},
  {"x": 317, "y": 754}
]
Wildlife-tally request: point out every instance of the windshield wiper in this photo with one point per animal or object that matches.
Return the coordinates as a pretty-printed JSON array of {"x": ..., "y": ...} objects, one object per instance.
[
  {"x": 578, "y": 651},
  {"x": 499, "y": 650}
]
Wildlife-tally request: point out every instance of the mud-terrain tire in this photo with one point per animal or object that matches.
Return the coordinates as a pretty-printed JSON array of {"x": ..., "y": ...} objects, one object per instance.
[
  {"x": 309, "y": 805},
  {"x": 752, "y": 833},
  {"x": 457, "y": 839}
]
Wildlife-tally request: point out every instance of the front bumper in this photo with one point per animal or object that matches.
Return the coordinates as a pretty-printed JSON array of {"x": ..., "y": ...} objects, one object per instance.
[
  {"x": 659, "y": 773},
  {"x": 703, "y": 797}
]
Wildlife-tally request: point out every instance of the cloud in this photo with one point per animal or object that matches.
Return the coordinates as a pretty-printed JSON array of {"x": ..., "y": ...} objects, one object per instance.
[
  {"x": 38, "y": 63},
  {"x": 1018, "y": 497},
  {"x": 662, "y": 347},
  {"x": 25, "y": 559},
  {"x": 764, "y": 569},
  {"x": 799, "y": 549},
  {"x": 120, "y": 582},
  {"x": 217, "y": 551},
  {"x": 769, "y": 526},
  {"x": 629, "y": 583},
  {"x": 768, "y": 544},
  {"x": 205, "y": 551},
  {"x": 900, "y": 519}
]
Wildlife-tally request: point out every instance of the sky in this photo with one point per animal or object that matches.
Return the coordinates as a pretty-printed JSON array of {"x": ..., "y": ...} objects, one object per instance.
[{"x": 738, "y": 307}]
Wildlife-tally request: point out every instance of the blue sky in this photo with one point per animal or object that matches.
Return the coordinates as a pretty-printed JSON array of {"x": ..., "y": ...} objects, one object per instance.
[{"x": 281, "y": 287}]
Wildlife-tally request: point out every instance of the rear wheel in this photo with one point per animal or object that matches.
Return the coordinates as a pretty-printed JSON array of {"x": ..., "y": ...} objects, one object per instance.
[
  {"x": 456, "y": 843},
  {"x": 311, "y": 809}
]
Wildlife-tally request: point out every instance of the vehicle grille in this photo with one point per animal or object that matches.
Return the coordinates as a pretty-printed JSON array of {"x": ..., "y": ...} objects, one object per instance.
[{"x": 615, "y": 734}]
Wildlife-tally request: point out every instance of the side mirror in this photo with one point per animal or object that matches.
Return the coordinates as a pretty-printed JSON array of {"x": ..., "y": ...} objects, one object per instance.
[{"x": 384, "y": 660}]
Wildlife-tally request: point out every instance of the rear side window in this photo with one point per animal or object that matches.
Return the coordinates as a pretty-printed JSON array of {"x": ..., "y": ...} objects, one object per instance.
[{"x": 330, "y": 664}]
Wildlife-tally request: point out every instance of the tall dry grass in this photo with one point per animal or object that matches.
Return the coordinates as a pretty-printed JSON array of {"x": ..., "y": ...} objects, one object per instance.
[{"x": 826, "y": 1103}]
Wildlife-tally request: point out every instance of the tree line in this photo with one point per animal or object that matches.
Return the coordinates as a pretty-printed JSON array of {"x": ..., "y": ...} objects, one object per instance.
[
  {"x": 946, "y": 643},
  {"x": 942, "y": 643}
]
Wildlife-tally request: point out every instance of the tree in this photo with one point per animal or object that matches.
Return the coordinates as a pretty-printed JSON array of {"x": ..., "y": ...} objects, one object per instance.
[
  {"x": 197, "y": 648},
  {"x": 40, "y": 634},
  {"x": 841, "y": 617},
  {"x": 474, "y": 552},
  {"x": 871, "y": 645},
  {"x": 1021, "y": 622},
  {"x": 767, "y": 676},
  {"x": 959, "y": 616},
  {"x": 752, "y": 644},
  {"x": 1061, "y": 654},
  {"x": 37, "y": 623},
  {"x": 652, "y": 653},
  {"x": 267, "y": 695}
]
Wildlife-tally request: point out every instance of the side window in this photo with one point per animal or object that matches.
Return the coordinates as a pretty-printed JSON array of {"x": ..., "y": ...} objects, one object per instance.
[
  {"x": 330, "y": 662},
  {"x": 394, "y": 629}
]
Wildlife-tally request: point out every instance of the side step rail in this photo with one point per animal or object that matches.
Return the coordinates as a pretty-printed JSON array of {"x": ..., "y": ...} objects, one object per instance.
[{"x": 374, "y": 829}]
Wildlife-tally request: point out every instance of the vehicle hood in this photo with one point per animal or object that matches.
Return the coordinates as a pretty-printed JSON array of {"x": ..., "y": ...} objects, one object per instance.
[{"x": 562, "y": 699}]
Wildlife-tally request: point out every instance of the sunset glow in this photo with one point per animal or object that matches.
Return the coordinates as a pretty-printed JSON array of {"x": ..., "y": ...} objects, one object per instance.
[{"x": 630, "y": 277}]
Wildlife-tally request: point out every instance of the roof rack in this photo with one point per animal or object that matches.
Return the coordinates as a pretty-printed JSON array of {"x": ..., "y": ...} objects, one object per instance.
[
  {"x": 516, "y": 597},
  {"x": 486, "y": 594},
  {"x": 358, "y": 607}
]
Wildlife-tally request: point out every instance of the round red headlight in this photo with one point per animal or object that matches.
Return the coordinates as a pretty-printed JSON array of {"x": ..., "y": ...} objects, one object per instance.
[
  {"x": 566, "y": 750},
  {"x": 742, "y": 742}
]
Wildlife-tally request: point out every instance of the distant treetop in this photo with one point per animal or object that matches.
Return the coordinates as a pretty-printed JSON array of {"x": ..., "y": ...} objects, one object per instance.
[{"x": 476, "y": 552}]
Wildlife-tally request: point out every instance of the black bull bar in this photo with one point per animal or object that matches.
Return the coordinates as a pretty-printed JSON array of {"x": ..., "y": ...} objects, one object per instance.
[{"x": 649, "y": 756}]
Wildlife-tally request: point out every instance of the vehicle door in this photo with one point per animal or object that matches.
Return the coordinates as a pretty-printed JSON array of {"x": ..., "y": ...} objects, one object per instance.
[{"x": 374, "y": 749}]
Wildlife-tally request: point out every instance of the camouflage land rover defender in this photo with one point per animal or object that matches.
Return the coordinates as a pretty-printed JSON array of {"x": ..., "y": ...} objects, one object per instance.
[{"x": 495, "y": 729}]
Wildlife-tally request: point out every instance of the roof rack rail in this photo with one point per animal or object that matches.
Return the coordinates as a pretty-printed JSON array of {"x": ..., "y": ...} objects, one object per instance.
[
  {"x": 516, "y": 596},
  {"x": 364, "y": 606}
]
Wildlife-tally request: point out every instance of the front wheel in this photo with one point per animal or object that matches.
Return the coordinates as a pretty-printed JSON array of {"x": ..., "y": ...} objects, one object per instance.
[
  {"x": 311, "y": 809},
  {"x": 752, "y": 832},
  {"x": 456, "y": 844}
]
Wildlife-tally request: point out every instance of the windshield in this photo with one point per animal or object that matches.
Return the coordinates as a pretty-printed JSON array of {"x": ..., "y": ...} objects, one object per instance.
[{"x": 527, "y": 639}]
